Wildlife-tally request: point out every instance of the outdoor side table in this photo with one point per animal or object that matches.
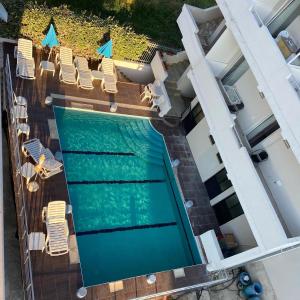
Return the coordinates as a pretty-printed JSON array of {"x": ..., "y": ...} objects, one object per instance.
[
  {"x": 23, "y": 128},
  {"x": 27, "y": 171},
  {"x": 47, "y": 66},
  {"x": 32, "y": 186}
]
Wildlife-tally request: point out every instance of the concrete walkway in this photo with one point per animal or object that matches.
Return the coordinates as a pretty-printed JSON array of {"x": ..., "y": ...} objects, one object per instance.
[{"x": 13, "y": 280}]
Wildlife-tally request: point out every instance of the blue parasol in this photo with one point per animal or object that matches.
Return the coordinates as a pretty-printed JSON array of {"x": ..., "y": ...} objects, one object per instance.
[
  {"x": 50, "y": 39},
  {"x": 106, "y": 49}
]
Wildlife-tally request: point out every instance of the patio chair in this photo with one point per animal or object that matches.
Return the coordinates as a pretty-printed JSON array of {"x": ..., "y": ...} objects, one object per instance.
[
  {"x": 67, "y": 72},
  {"x": 84, "y": 74},
  {"x": 55, "y": 212},
  {"x": 25, "y": 61},
  {"x": 57, "y": 240}
]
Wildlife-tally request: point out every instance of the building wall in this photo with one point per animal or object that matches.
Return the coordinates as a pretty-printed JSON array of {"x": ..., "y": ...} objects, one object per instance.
[
  {"x": 283, "y": 273},
  {"x": 204, "y": 154},
  {"x": 203, "y": 151},
  {"x": 256, "y": 109},
  {"x": 137, "y": 72},
  {"x": 282, "y": 174},
  {"x": 223, "y": 54},
  {"x": 184, "y": 85},
  {"x": 204, "y": 15},
  {"x": 240, "y": 228}
]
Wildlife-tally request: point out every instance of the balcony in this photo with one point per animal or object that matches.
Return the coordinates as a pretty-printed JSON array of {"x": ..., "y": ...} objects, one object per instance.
[
  {"x": 274, "y": 75},
  {"x": 198, "y": 38}
]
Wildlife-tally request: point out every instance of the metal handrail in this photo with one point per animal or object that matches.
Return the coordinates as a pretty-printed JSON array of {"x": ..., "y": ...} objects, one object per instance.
[
  {"x": 20, "y": 206},
  {"x": 150, "y": 52}
]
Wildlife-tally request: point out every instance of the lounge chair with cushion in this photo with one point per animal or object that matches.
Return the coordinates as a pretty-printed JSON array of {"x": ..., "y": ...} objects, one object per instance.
[
  {"x": 25, "y": 61},
  {"x": 67, "y": 72}
]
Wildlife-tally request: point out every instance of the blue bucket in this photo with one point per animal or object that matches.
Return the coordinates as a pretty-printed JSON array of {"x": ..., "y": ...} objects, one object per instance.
[
  {"x": 254, "y": 289},
  {"x": 244, "y": 279}
]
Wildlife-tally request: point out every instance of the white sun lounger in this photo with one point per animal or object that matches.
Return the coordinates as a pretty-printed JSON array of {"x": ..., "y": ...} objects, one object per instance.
[
  {"x": 109, "y": 84},
  {"x": 35, "y": 149},
  {"x": 85, "y": 79},
  {"x": 81, "y": 63},
  {"x": 50, "y": 168},
  {"x": 107, "y": 66},
  {"x": 109, "y": 81},
  {"x": 57, "y": 240},
  {"x": 55, "y": 212},
  {"x": 25, "y": 61},
  {"x": 84, "y": 74},
  {"x": 67, "y": 72}
]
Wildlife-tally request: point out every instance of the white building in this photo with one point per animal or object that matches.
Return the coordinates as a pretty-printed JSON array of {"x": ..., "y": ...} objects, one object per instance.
[{"x": 244, "y": 132}]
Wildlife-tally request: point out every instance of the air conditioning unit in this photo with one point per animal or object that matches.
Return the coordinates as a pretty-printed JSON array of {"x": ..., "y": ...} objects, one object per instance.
[
  {"x": 259, "y": 156},
  {"x": 232, "y": 94}
]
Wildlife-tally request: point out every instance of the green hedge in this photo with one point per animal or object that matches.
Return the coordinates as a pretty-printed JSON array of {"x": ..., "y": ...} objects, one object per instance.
[{"x": 81, "y": 32}]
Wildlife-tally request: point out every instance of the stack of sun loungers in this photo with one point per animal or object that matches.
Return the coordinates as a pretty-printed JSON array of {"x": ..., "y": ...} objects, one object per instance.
[
  {"x": 84, "y": 74},
  {"x": 34, "y": 149},
  {"x": 25, "y": 61},
  {"x": 57, "y": 240},
  {"x": 67, "y": 72},
  {"x": 109, "y": 81}
]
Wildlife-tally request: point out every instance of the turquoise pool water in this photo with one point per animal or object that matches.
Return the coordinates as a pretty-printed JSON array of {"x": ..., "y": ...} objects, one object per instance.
[{"x": 128, "y": 214}]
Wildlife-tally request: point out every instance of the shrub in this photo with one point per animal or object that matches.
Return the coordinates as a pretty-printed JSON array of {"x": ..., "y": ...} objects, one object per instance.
[{"x": 81, "y": 32}]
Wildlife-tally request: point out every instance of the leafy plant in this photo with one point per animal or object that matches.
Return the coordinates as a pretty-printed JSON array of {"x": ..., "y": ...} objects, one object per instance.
[
  {"x": 81, "y": 32},
  {"x": 81, "y": 24}
]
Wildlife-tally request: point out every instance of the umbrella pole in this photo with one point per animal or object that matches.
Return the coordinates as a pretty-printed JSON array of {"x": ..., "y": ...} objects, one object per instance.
[{"x": 49, "y": 54}]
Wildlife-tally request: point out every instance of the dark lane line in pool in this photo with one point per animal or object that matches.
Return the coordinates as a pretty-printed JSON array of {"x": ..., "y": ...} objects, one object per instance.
[
  {"x": 116, "y": 181},
  {"x": 138, "y": 227},
  {"x": 98, "y": 153}
]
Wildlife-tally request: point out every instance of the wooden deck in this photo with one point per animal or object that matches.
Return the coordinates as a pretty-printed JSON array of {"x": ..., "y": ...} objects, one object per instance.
[{"x": 54, "y": 278}]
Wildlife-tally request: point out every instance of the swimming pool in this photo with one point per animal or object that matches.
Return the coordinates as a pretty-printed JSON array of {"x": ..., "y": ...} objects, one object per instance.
[{"x": 128, "y": 215}]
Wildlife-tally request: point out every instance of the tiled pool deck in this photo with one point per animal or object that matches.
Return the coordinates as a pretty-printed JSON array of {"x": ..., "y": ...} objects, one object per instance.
[{"x": 55, "y": 277}]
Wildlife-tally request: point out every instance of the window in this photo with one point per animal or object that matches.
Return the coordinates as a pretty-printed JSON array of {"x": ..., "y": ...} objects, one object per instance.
[
  {"x": 211, "y": 138},
  {"x": 228, "y": 209},
  {"x": 217, "y": 184},
  {"x": 193, "y": 118},
  {"x": 262, "y": 131},
  {"x": 219, "y": 158}
]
